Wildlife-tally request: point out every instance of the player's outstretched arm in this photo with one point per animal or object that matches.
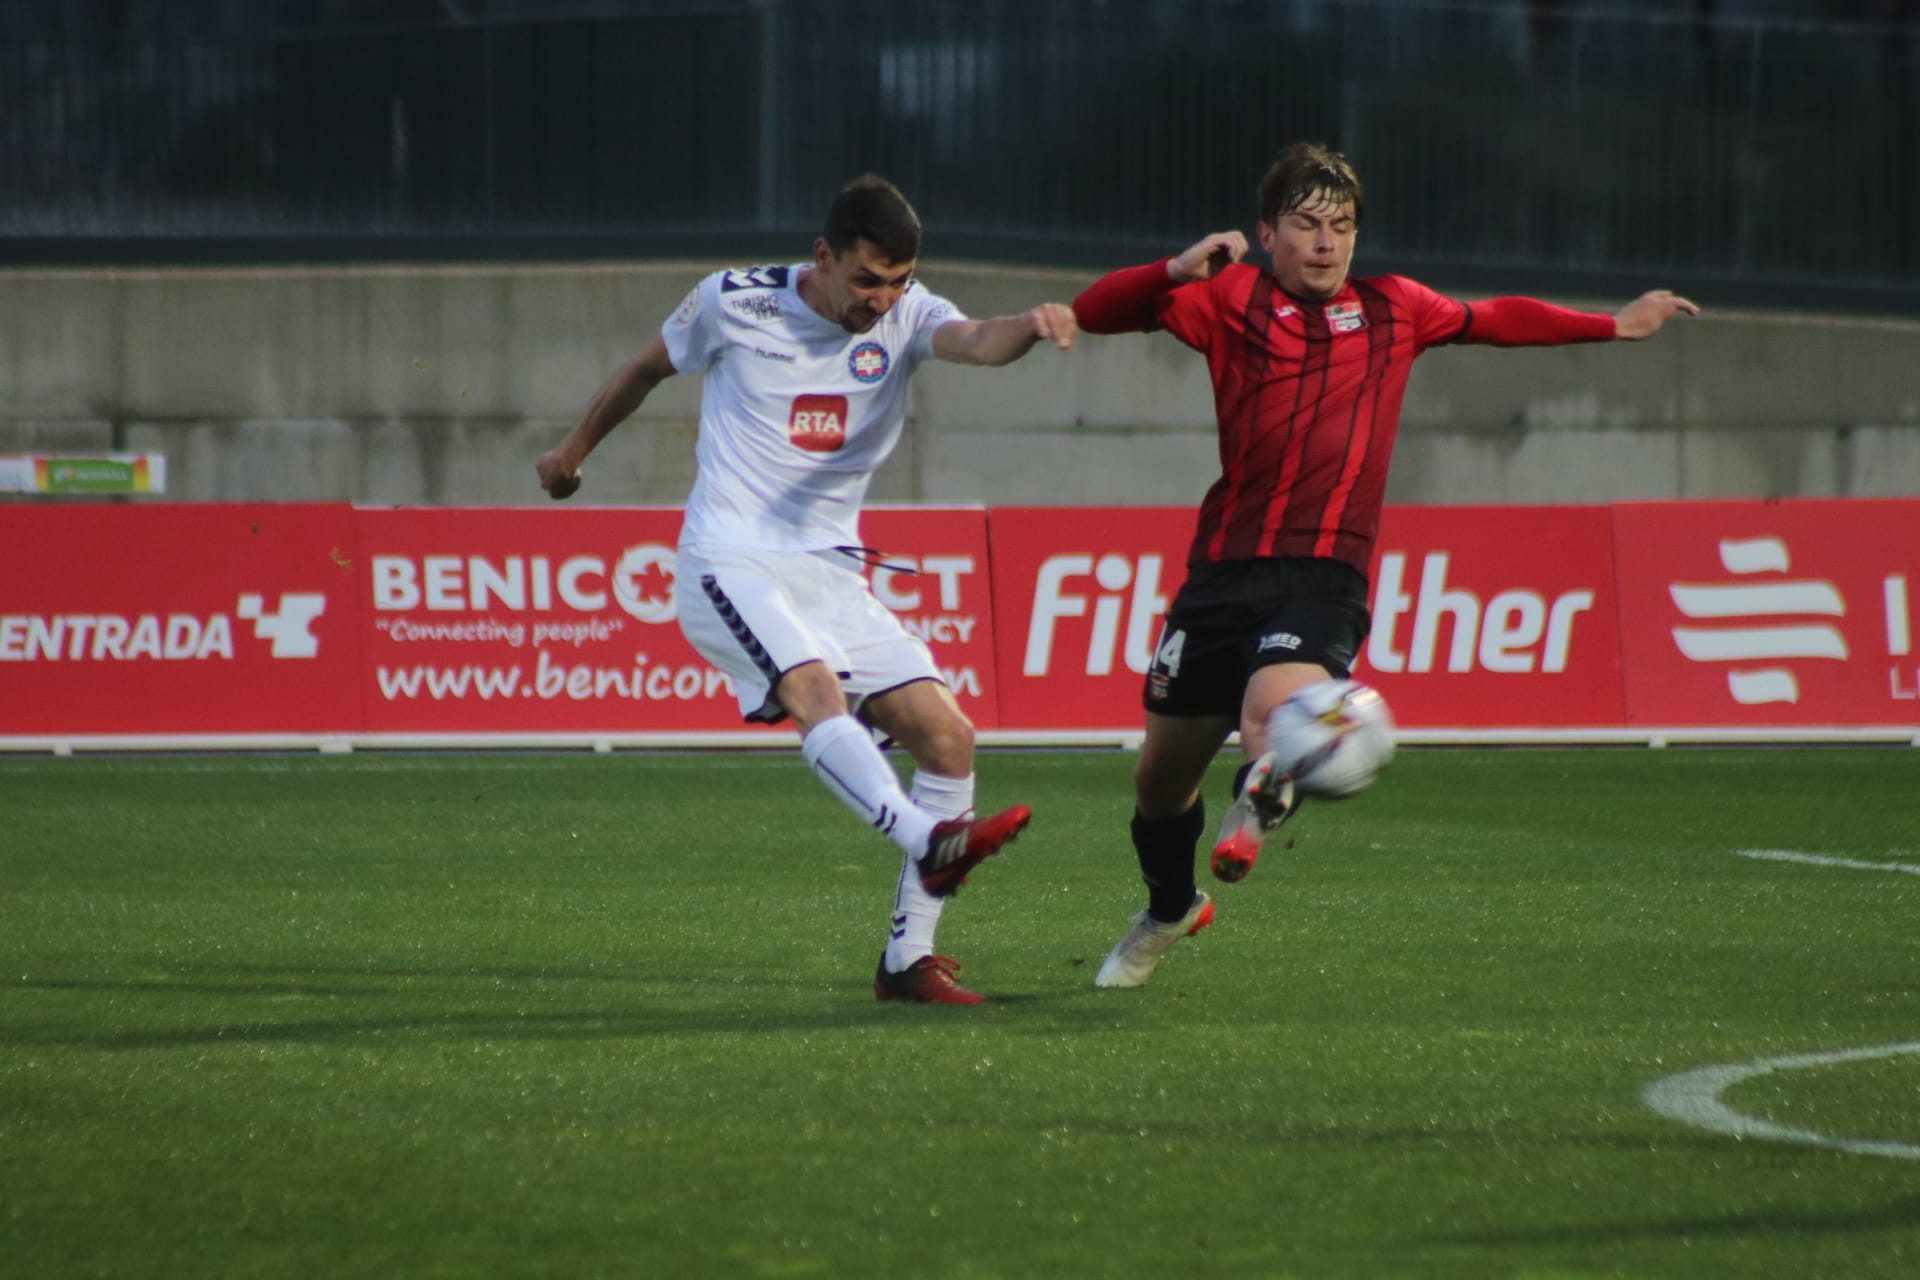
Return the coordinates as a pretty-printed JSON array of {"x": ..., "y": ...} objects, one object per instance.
[
  {"x": 1207, "y": 257},
  {"x": 613, "y": 404},
  {"x": 1004, "y": 339},
  {"x": 1643, "y": 317},
  {"x": 1123, "y": 301}
]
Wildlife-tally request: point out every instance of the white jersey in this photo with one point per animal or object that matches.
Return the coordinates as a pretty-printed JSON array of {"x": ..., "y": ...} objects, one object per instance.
[{"x": 797, "y": 413}]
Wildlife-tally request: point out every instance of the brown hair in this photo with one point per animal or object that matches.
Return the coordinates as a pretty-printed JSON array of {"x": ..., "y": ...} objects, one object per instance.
[
  {"x": 871, "y": 208},
  {"x": 1307, "y": 171}
]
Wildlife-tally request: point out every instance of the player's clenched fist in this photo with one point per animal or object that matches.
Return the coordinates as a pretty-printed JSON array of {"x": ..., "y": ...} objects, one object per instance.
[
  {"x": 1207, "y": 257},
  {"x": 1054, "y": 322},
  {"x": 559, "y": 477}
]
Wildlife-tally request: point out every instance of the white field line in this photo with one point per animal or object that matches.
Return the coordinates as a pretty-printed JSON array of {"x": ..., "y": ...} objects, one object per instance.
[
  {"x": 1783, "y": 855},
  {"x": 1693, "y": 1098}
]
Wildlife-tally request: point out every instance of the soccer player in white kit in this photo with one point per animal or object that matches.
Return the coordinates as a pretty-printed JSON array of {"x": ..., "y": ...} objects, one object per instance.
[{"x": 807, "y": 370}]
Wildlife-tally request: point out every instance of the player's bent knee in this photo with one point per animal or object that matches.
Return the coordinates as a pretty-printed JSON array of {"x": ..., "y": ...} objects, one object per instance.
[{"x": 948, "y": 749}]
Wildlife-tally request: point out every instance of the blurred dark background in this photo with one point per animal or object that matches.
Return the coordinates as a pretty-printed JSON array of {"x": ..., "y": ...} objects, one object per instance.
[{"x": 1765, "y": 149}]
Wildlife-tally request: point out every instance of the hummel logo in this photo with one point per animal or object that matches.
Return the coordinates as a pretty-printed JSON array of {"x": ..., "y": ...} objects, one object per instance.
[{"x": 753, "y": 278}]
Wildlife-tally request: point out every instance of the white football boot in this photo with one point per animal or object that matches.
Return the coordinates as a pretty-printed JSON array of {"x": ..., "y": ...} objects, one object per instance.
[{"x": 1134, "y": 957}]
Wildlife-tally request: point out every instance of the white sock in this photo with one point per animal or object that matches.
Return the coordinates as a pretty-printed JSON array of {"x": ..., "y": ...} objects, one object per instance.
[
  {"x": 916, "y": 913},
  {"x": 841, "y": 754}
]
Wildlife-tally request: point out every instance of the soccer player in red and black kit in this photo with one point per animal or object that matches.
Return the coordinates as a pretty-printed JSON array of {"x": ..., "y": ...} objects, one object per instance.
[{"x": 1308, "y": 370}]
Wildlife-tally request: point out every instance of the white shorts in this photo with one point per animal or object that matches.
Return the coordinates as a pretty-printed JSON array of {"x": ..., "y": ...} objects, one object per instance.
[{"x": 758, "y": 614}]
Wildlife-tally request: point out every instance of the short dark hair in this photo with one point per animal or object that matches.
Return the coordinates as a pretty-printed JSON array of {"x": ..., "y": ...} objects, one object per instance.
[
  {"x": 871, "y": 208},
  {"x": 1304, "y": 172}
]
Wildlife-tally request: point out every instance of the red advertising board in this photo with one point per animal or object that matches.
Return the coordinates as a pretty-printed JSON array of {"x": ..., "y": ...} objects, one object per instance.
[
  {"x": 322, "y": 620},
  {"x": 565, "y": 620},
  {"x": 179, "y": 619},
  {"x": 1483, "y": 616},
  {"x": 1495, "y": 617},
  {"x": 528, "y": 620},
  {"x": 935, "y": 571},
  {"x": 1769, "y": 614},
  {"x": 1078, "y": 597}
]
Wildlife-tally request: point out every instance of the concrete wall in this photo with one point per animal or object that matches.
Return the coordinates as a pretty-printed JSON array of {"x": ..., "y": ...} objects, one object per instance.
[{"x": 441, "y": 384}]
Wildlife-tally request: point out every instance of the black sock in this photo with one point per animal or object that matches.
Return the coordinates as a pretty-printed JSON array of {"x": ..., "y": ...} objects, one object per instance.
[{"x": 1166, "y": 848}]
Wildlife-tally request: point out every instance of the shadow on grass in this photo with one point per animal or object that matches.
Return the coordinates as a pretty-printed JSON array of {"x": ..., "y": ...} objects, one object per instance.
[
  {"x": 374, "y": 980},
  {"x": 1904, "y": 1212},
  {"x": 749, "y": 1002},
  {"x": 502, "y": 1026}
]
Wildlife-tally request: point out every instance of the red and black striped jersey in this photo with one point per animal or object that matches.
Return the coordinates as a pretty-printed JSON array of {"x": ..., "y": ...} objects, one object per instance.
[{"x": 1307, "y": 394}]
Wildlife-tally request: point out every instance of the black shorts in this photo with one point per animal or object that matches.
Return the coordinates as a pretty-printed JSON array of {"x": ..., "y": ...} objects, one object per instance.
[{"x": 1230, "y": 619}]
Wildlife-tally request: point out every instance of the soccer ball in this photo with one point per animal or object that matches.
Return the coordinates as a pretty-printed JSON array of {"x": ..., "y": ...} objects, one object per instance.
[{"x": 1333, "y": 737}]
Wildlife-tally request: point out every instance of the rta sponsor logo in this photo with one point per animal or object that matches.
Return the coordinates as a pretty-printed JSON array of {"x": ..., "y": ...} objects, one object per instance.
[
  {"x": 1518, "y": 630},
  {"x": 640, "y": 581},
  {"x": 1764, "y": 620},
  {"x": 818, "y": 424},
  {"x": 174, "y": 637},
  {"x": 1112, "y": 585}
]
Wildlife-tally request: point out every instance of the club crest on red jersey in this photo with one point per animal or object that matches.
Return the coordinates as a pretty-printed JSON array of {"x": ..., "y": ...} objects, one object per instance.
[
  {"x": 868, "y": 362},
  {"x": 1345, "y": 317},
  {"x": 818, "y": 424}
]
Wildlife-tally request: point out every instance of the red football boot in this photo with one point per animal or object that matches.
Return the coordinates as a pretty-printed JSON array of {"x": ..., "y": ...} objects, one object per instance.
[
  {"x": 958, "y": 845},
  {"x": 928, "y": 980}
]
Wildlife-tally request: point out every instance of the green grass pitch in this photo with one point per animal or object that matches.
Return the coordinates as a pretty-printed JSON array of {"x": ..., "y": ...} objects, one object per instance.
[{"x": 579, "y": 1016}]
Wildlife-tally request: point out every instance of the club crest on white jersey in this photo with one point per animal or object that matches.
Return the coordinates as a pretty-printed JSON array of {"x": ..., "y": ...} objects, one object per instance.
[{"x": 868, "y": 362}]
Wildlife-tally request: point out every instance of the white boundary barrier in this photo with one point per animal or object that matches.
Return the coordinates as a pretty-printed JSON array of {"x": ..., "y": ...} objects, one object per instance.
[{"x": 1127, "y": 740}]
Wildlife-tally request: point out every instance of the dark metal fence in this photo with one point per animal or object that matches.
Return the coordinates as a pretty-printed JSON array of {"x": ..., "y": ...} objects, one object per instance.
[{"x": 1523, "y": 134}]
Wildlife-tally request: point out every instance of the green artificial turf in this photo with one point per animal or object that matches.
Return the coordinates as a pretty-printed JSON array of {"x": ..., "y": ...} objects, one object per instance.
[{"x": 573, "y": 1016}]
